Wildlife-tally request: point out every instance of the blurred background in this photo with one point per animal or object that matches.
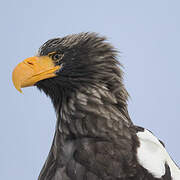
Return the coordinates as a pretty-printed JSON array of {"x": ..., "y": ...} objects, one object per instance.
[{"x": 147, "y": 33}]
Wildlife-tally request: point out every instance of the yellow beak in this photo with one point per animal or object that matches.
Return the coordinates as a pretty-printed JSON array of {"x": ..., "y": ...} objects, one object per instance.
[{"x": 32, "y": 70}]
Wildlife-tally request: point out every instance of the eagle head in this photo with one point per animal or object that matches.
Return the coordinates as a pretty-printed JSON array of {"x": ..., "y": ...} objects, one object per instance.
[{"x": 73, "y": 63}]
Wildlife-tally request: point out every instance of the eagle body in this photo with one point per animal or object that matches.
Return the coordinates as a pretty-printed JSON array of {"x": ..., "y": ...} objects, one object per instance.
[{"x": 95, "y": 138}]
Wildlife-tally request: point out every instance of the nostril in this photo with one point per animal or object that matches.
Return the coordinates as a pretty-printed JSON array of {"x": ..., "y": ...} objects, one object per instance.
[{"x": 30, "y": 63}]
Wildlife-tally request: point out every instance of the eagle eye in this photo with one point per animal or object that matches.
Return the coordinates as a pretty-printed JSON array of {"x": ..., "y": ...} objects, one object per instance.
[{"x": 57, "y": 57}]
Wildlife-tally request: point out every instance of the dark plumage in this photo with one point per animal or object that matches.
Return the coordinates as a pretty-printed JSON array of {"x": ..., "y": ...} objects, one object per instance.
[{"x": 95, "y": 138}]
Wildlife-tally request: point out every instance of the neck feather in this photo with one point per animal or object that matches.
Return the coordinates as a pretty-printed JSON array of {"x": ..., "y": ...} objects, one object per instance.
[{"x": 93, "y": 104}]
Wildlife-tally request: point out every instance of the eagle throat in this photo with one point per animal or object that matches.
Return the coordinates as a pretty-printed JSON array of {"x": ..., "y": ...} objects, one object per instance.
[{"x": 86, "y": 110}]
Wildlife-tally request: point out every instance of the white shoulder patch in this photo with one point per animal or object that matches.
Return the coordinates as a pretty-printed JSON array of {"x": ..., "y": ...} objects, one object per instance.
[{"x": 152, "y": 156}]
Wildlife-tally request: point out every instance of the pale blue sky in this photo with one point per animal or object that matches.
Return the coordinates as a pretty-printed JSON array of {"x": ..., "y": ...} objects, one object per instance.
[{"x": 146, "y": 32}]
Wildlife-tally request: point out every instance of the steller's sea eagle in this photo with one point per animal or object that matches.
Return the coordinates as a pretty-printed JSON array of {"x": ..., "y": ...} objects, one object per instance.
[{"x": 95, "y": 138}]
